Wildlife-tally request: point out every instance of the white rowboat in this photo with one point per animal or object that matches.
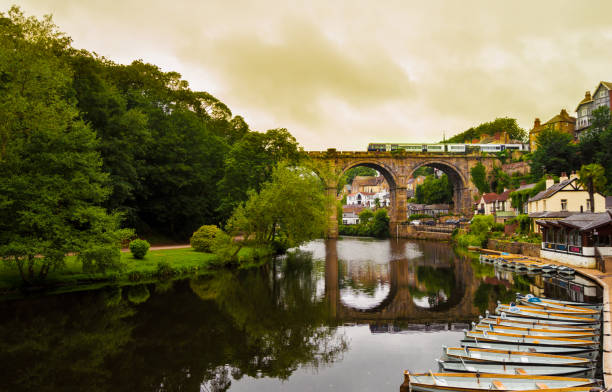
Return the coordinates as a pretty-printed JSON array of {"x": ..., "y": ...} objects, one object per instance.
[
  {"x": 465, "y": 354},
  {"x": 532, "y": 370}
]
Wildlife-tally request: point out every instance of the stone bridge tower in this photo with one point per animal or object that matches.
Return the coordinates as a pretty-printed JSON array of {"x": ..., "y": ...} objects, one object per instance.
[{"x": 397, "y": 168}]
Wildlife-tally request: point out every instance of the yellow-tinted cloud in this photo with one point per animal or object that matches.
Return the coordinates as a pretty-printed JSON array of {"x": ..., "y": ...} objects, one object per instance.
[{"x": 343, "y": 73}]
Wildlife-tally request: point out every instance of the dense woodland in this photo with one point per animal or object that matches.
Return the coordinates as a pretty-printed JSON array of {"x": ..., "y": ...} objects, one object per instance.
[{"x": 166, "y": 158}]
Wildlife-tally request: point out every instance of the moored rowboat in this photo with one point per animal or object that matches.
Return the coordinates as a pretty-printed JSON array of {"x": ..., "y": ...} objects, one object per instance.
[
  {"x": 526, "y": 339},
  {"x": 590, "y": 353},
  {"x": 526, "y": 311},
  {"x": 465, "y": 354},
  {"x": 525, "y": 323},
  {"x": 596, "y": 306},
  {"x": 530, "y": 320},
  {"x": 467, "y": 382},
  {"x": 532, "y": 370},
  {"x": 540, "y": 332}
]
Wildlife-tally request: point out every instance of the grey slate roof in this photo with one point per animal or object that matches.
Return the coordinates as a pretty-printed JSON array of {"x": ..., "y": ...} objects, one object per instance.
[
  {"x": 583, "y": 221},
  {"x": 546, "y": 193},
  {"x": 523, "y": 187},
  {"x": 553, "y": 214},
  {"x": 608, "y": 202}
]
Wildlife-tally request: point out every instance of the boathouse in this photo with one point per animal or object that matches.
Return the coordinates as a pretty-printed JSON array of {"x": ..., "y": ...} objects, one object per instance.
[{"x": 577, "y": 240}]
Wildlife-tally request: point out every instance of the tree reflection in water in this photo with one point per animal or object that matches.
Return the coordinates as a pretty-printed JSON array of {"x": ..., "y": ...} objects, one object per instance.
[{"x": 188, "y": 336}]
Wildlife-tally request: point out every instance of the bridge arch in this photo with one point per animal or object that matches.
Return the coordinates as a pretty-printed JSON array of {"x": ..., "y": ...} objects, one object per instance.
[
  {"x": 457, "y": 177},
  {"x": 386, "y": 171}
]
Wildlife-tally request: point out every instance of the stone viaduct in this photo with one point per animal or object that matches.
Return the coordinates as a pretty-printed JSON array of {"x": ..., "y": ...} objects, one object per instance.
[{"x": 397, "y": 168}]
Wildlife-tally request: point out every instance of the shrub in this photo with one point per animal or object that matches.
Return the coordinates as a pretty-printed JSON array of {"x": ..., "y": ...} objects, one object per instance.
[
  {"x": 101, "y": 259},
  {"x": 224, "y": 247},
  {"x": 139, "y": 248},
  {"x": 498, "y": 227},
  {"x": 203, "y": 238},
  {"x": 164, "y": 269}
]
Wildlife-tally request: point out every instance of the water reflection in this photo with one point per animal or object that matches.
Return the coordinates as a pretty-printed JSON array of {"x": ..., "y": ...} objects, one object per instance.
[{"x": 354, "y": 313}]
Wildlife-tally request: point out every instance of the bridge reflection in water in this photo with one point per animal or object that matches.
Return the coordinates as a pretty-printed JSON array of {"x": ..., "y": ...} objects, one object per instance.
[{"x": 395, "y": 280}]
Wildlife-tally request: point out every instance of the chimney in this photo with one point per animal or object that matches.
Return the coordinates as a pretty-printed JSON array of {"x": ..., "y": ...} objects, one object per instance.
[
  {"x": 573, "y": 175},
  {"x": 564, "y": 113},
  {"x": 536, "y": 123},
  {"x": 563, "y": 177},
  {"x": 587, "y": 95},
  {"x": 549, "y": 181}
]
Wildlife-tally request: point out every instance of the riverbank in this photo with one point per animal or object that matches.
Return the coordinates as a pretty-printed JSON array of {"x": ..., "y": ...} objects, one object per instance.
[{"x": 164, "y": 262}]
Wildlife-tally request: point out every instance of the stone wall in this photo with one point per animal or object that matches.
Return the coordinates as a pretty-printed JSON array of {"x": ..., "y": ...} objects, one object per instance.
[
  {"x": 524, "y": 248},
  {"x": 412, "y": 233}
]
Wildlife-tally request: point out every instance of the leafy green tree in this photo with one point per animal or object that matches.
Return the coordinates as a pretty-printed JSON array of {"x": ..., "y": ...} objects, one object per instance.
[
  {"x": 51, "y": 182},
  {"x": 435, "y": 190},
  {"x": 592, "y": 177},
  {"x": 365, "y": 216},
  {"x": 508, "y": 125},
  {"x": 250, "y": 163},
  {"x": 478, "y": 175},
  {"x": 556, "y": 153},
  {"x": 293, "y": 196},
  {"x": 380, "y": 224}
]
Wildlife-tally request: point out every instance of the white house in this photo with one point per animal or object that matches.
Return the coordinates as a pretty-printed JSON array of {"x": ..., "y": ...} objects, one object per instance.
[
  {"x": 350, "y": 214},
  {"x": 368, "y": 199}
]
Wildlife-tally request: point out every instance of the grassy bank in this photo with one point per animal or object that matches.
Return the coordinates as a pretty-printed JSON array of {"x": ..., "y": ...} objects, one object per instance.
[{"x": 177, "y": 263}]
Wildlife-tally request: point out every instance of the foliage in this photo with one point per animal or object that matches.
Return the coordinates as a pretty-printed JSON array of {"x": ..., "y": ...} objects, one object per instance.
[
  {"x": 380, "y": 224},
  {"x": 508, "y": 125},
  {"x": 224, "y": 247},
  {"x": 164, "y": 269},
  {"x": 423, "y": 171},
  {"x": 371, "y": 224},
  {"x": 412, "y": 217},
  {"x": 594, "y": 144},
  {"x": 100, "y": 259},
  {"x": 480, "y": 231},
  {"x": 523, "y": 222},
  {"x": 556, "y": 153},
  {"x": 435, "y": 190},
  {"x": 519, "y": 198},
  {"x": 593, "y": 179},
  {"x": 365, "y": 216},
  {"x": 478, "y": 175},
  {"x": 51, "y": 182},
  {"x": 203, "y": 238},
  {"x": 481, "y": 224},
  {"x": 499, "y": 180},
  {"x": 139, "y": 248},
  {"x": 293, "y": 196}
]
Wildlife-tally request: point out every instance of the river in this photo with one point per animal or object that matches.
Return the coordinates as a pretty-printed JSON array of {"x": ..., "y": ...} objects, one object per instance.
[{"x": 337, "y": 315}]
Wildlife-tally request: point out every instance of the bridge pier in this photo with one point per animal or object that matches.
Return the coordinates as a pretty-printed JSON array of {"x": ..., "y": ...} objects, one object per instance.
[
  {"x": 399, "y": 212},
  {"x": 332, "y": 222}
]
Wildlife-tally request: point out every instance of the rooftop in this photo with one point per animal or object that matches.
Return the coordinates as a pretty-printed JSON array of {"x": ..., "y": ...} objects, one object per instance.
[{"x": 546, "y": 193}]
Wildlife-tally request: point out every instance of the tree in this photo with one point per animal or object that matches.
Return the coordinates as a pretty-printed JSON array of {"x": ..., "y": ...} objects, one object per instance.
[
  {"x": 479, "y": 177},
  {"x": 380, "y": 224},
  {"x": 505, "y": 124},
  {"x": 51, "y": 182},
  {"x": 556, "y": 153},
  {"x": 292, "y": 197},
  {"x": 435, "y": 190},
  {"x": 593, "y": 178},
  {"x": 250, "y": 163}
]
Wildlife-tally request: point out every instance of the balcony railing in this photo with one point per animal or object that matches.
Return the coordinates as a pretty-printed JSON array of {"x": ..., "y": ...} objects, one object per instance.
[{"x": 562, "y": 248}]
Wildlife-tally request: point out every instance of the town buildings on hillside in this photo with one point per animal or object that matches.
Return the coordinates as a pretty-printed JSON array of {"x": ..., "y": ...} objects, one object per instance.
[
  {"x": 350, "y": 214},
  {"x": 584, "y": 115}
]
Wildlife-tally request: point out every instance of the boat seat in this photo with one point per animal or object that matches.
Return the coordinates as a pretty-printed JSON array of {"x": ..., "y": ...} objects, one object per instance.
[
  {"x": 521, "y": 371},
  {"x": 541, "y": 385},
  {"x": 499, "y": 385}
]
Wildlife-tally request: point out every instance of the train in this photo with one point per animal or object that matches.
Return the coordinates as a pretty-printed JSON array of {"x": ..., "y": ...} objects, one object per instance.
[{"x": 447, "y": 147}]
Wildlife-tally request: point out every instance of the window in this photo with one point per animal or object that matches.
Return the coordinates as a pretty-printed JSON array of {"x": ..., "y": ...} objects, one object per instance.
[
  {"x": 602, "y": 93},
  {"x": 563, "y": 205},
  {"x": 588, "y": 204}
]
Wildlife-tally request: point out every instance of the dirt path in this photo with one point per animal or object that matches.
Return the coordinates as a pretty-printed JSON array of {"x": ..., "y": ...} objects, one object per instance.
[{"x": 163, "y": 247}]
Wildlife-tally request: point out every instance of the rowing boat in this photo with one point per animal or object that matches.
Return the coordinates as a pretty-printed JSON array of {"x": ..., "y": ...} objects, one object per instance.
[
  {"x": 582, "y": 352},
  {"x": 542, "y": 332},
  {"x": 596, "y": 306},
  {"x": 534, "y": 320},
  {"x": 571, "y": 310},
  {"x": 467, "y": 354},
  {"x": 527, "y": 339},
  {"x": 533, "y": 324},
  {"x": 467, "y": 382},
  {"x": 504, "y": 368},
  {"x": 532, "y": 312},
  {"x": 554, "y": 307}
]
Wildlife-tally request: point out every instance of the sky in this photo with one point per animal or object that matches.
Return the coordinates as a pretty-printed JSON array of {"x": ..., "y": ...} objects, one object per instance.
[{"x": 341, "y": 74}]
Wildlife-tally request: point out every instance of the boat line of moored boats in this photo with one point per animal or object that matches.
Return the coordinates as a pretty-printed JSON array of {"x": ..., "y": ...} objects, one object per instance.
[
  {"x": 524, "y": 263},
  {"x": 527, "y": 345}
]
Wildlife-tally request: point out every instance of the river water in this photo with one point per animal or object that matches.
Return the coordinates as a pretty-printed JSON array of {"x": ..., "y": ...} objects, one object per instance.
[{"x": 337, "y": 315}]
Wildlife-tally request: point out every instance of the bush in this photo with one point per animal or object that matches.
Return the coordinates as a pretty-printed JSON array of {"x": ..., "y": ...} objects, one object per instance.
[
  {"x": 203, "y": 238},
  {"x": 164, "y": 269},
  {"x": 224, "y": 247},
  {"x": 101, "y": 259},
  {"x": 497, "y": 227},
  {"x": 139, "y": 248}
]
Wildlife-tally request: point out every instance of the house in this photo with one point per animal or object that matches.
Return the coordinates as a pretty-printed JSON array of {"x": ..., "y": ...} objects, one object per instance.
[
  {"x": 493, "y": 203},
  {"x": 563, "y": 199},
  {"x": 584, "y": 110},
  {"x": 369, "y": 199},
  {"x": 414, "y": 208},
  {"x": 578, "y": 239},
  {"x": 369, "y": 184},
  {"x": 523, "y": 207},
  {"x": 350, "y": 214},
  {"x": 412, "y": 183},
  {"x": 561, "y": 122},
  {"x": 436, "y": 209}
]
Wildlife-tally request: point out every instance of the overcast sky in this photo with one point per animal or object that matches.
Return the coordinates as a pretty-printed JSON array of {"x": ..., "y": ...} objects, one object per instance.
[{"x": 344, "y": 73}]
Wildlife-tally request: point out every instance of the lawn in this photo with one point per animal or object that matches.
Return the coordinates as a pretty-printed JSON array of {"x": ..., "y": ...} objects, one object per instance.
[{"x": 182, "y": 261}]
